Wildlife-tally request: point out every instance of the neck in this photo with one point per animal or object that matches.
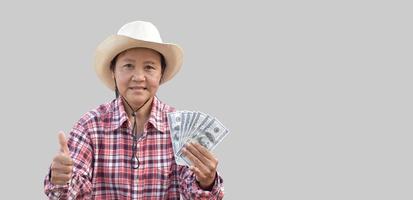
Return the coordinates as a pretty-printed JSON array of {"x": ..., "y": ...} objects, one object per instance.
[{"x": 142, "y": 114}]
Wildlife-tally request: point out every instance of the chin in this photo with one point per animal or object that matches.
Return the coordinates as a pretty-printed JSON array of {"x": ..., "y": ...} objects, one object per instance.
[{"x": 138, "y": 100}]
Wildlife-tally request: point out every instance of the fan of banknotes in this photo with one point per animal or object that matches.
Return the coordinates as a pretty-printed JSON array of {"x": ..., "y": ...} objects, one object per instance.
[{"x": 194, "y": 126}]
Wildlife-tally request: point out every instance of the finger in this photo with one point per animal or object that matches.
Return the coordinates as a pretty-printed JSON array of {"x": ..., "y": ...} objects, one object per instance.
[
  {"x": 194, "y": 160},
  {"x": 61, "y": 176},
  {"x": 204, "y": 151},
  {"x": 63, "y": 170},
  {"x": 64, "y": 159},
  {"x": 60, "y": 179},
  {"x": 60, "y": 168},
  {"x": 207, "y": 162},
  {"x": 59, "y": 182},
  {"x": 205, "y": 180},
  {"x": 198, "y": 174},
  {"x": 63, "y": 143},
  {"x": 207, "y": 168}
]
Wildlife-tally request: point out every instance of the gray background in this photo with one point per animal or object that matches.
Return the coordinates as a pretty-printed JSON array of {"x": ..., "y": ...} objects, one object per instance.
[{"x": 317, "y": 94}]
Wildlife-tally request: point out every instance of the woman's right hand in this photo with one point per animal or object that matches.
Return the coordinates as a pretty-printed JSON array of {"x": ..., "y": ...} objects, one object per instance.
[{"x": 62, "y": 165}]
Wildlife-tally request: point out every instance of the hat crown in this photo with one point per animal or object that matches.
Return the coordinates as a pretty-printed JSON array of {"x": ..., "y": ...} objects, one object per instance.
[{"x": 141, "y": 30}]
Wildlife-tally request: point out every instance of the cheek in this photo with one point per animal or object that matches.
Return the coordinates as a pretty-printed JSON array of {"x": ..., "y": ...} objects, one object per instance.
[
  {"x": 122, "y": 82},
  {"x": 153, "y": 84},
  {"x": 153, "y": 81}
]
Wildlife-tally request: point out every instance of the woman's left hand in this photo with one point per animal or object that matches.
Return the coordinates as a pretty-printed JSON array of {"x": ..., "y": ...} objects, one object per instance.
[{"x": 204, "y": 164}]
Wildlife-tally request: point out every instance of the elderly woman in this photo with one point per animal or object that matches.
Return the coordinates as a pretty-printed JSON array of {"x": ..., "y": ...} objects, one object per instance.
[{"x": 122, "y": 149}]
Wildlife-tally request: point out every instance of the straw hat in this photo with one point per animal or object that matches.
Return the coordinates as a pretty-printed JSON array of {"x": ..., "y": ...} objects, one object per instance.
[{"x": 132, "y": 35}]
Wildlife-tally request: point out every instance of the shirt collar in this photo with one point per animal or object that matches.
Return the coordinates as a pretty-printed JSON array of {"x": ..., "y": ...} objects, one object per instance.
[{"x": 157, "y": 116}]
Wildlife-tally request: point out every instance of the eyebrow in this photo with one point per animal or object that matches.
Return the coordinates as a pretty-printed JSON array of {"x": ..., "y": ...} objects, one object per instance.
[
  {"x": 132, "y": 60},
  {"x": 149, "y": 62}
]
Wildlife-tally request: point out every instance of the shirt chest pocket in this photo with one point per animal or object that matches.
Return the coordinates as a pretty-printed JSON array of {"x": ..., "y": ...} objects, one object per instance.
[{"x": 154, "y": 179}]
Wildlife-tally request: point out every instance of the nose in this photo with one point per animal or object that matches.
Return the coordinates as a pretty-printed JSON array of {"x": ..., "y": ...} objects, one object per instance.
[{"x": 137, "y": 76}]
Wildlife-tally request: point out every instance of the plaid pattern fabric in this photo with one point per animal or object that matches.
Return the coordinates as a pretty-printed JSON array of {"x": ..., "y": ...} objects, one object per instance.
[{"x": 100, "y": 144}]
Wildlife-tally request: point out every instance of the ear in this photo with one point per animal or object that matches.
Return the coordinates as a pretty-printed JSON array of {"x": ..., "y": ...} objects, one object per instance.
[{"x": 160, "y": 80}]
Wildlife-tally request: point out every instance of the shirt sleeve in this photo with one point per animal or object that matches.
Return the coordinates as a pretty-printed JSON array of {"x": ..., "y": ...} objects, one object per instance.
[
  {"x": 81, "y": 152},
  {"x": 189, "y": 188}
]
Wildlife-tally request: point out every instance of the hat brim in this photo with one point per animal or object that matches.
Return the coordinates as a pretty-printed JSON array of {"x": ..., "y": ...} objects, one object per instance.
[{"x": 115, "y": 44}]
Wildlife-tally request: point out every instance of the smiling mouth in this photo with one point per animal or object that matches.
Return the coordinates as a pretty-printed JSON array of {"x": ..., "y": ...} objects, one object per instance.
[{"x": 137, "y": 88}]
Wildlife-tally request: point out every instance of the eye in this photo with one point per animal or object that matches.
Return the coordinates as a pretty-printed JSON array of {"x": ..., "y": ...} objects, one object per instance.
[
  {"x": 128, "y": 66},
  {"x": 149, "y": 67}
]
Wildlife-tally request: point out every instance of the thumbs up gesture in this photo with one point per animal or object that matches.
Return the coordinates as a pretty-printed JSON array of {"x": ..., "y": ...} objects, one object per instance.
[{"x": 62, "y": 165}]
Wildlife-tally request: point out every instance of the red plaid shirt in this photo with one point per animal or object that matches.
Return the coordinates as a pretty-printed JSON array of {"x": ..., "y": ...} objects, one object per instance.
[{"x": 100, "y": 144}]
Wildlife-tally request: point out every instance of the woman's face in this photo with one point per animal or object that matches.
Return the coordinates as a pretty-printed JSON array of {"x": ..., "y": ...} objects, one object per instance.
[{"x": 138, "y": 72}]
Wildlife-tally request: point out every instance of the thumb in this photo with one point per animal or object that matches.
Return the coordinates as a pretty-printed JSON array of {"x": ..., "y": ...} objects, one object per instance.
[{"x": 63, "y": 143}]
